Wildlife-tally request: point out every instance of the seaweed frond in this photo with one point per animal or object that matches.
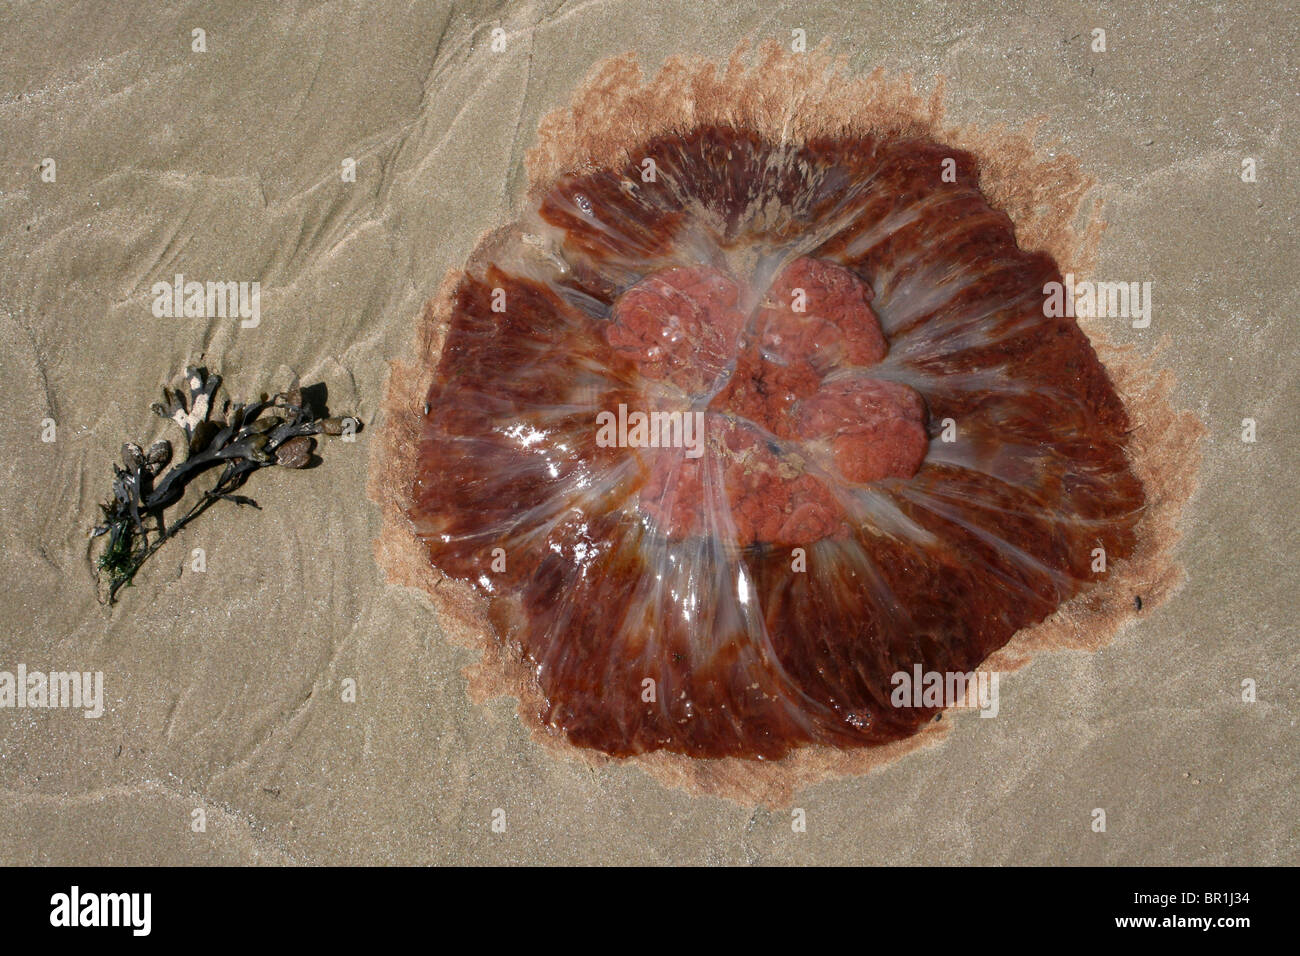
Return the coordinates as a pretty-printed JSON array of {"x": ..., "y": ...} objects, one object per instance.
[{"x": 243, "y": 438}]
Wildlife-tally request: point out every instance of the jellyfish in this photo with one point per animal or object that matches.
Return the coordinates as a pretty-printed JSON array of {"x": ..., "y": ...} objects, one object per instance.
[{"x": 756, "y": 407}]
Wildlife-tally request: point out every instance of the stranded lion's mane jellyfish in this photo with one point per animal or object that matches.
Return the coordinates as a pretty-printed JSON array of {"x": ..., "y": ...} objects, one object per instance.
[{"x": 758, "y": 406}]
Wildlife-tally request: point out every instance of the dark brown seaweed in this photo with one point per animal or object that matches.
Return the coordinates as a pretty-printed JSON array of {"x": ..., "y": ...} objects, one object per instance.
[{"x": 246, "y": 437}]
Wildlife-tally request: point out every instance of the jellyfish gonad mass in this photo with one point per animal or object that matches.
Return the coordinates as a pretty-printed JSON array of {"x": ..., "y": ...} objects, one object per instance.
[{"x": 846, "y": 442}]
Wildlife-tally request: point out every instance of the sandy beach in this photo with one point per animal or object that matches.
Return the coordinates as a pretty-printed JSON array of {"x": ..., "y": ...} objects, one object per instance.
[{"x": 131, "y": 157}]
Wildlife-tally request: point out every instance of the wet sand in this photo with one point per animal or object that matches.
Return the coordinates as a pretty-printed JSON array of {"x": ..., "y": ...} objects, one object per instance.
[{"x": 223, "y": 689}]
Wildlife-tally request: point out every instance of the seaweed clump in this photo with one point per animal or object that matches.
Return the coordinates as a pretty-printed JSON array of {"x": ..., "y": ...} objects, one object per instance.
[{"x": 244, "y": 437}]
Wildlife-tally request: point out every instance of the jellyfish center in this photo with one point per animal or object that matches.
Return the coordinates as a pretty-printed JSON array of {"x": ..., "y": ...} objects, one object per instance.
[{"x": 760, "y": 408}]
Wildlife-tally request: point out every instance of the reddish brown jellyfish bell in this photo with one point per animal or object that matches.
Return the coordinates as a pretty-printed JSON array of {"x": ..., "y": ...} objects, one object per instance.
[{"x": 757, "y": 407}]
